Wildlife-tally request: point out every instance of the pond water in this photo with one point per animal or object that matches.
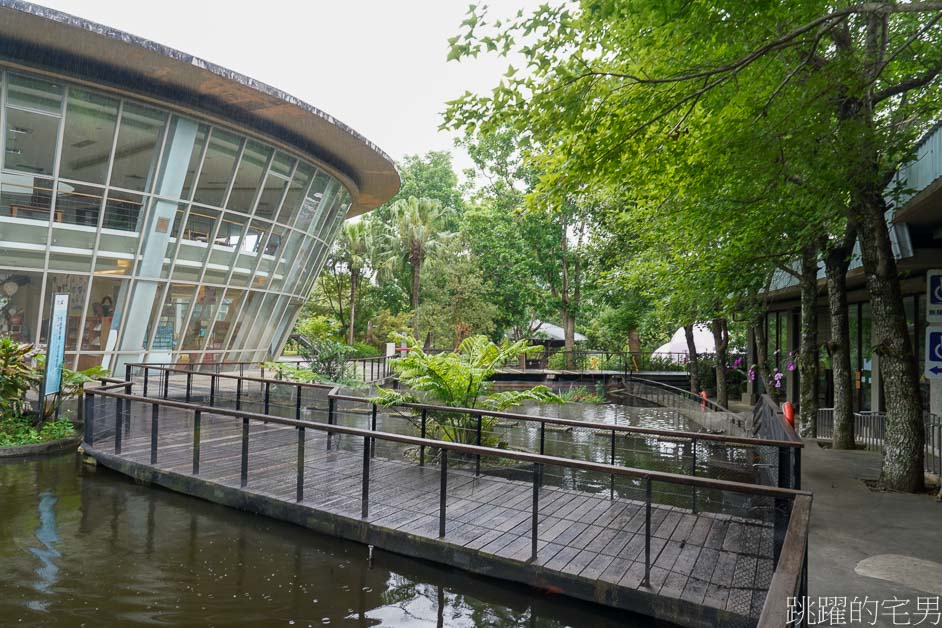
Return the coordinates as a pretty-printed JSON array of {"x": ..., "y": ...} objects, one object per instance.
[{"x": 86, "y": 547}]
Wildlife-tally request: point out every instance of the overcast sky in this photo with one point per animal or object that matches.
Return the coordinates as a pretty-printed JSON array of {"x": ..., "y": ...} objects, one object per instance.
[{"x": 377, "y": 65}]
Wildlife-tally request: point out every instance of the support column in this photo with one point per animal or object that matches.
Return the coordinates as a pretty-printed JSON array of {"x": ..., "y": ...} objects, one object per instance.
[
  {"x": 156, "y": 236},
  {"x": 794, "y": 337}
]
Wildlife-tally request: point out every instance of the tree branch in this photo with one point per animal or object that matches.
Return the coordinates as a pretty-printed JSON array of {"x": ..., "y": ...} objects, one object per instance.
[{"x": 914, "y": 82}]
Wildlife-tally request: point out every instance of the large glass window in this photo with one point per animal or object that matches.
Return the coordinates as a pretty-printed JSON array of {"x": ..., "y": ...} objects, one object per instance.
[
  {"x": 270, "y": 199},
  {"x": 296, "y": 192},
  {"x": 137, "y": 150},
  {"x": 225, "y": 317},
  {"x": 100, "y": 317},
  {"x": 200, "y": 320},
  {"x": 20, "y": 294},
  {"x": 172, "y": 317},
  {"x": 310, "y": 207},
  {"x": 34, "y": 108},
  {"x": 248, "y": 177},
  {"x": 217, "y": 168},
  {"x": 76, "y": 286},
  {"x": 25, "y": 202},
  {"x": 90, "y": 122}
]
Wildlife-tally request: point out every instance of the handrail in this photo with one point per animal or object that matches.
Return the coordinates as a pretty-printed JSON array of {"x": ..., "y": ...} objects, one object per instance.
[
  {"x": 704, "y": 436},
  {"x": 787, "y": 580},
  {"x": 657, "y": 476},
  {"x": 248, "y": 378},
  {"x": 684, "y": 393}
]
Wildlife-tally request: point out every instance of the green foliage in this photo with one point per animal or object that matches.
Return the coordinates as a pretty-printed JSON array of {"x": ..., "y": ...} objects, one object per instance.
[
  {"x": 17, "y": 376},
  {"x": 364, "y": 350},
  {"x": 317, "y": 328},
  {"x": 460, "y": 379},
  {"x": 16, "y": 431},
  {"x": 387, "y": 327},
  {"x": 581, "y": 394}
]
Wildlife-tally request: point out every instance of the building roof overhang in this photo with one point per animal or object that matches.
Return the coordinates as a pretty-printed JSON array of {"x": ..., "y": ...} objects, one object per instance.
[{"x": 70, "y": 47}]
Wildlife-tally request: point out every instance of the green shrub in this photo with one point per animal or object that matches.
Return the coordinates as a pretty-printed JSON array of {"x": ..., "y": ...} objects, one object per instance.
[
  {"x": 54, "y": 430},
  {"x": 364, "y": 350},
  {"x": 17, "y": 376}
]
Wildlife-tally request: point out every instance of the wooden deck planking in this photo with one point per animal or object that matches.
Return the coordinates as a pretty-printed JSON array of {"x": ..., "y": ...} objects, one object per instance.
[{"x": 707, "y": 559}]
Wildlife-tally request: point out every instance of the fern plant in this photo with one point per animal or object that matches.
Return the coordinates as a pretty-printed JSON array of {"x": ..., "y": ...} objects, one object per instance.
[{"x": 461, "y": 379}]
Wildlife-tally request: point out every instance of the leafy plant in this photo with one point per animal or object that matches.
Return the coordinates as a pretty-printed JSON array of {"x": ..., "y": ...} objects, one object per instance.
[
  {"x": 17, "y": 376},
  {"x": 328, "y": 359},
  {"x": 461, "y": 379},
  {"x": 16, "y": 431},
  {"x": 581, "y": 394}
]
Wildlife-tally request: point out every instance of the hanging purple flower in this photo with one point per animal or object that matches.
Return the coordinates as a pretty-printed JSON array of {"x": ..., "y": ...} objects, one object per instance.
[
  {"x": 752, "y": 375},
  {"x": 790, "y": 366},
  {"x": 738, "y": 363}
]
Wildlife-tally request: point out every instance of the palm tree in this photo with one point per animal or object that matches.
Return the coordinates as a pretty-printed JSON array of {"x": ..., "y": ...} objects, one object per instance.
[
  {"x": 355, "y": 248},
  {"x": 416, "y": 229}
]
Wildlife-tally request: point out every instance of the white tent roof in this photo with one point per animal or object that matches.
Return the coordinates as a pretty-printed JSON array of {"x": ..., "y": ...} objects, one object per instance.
[
  {"x": 542, "y": 329},
  {"x": 702, "y": 339}
]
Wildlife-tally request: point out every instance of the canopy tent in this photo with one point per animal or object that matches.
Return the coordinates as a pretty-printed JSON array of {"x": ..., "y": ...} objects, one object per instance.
[{"x": 702, "y": 339}]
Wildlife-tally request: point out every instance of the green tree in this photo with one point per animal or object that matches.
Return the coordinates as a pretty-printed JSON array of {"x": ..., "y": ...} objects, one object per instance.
[
  {"x": 415, "y": 231},
  {"x": 842, "y": 90},
  {"x": 461, "y": 379}
]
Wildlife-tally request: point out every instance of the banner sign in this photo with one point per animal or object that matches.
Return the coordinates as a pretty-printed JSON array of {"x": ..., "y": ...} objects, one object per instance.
[
  {"x": 55, "y": 351},
  {"x": 934, "y": 296}
]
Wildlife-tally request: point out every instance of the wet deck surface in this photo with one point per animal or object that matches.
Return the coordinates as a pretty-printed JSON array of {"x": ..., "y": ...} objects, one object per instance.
[{"x": 586, "y": 541}]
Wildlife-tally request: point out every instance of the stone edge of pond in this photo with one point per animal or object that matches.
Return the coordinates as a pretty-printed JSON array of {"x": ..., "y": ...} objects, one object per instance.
[{"x": 41, "y": 449}]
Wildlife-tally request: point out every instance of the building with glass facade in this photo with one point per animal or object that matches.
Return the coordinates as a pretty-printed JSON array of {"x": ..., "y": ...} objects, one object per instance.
[{"x": 185, "y": 209}]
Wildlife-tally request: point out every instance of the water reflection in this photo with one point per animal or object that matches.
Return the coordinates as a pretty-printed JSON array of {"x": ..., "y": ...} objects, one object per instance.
[
  {"x": 111, "y": 552},
  {"x": 47, "y": 534}
]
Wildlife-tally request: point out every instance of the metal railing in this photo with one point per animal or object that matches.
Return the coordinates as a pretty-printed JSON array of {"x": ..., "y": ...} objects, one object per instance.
[
  {"x": 705, "y": 412},
  {"x": 870, "y": 431},
  {"x": 368, "y": 370},
  {"x": 111, "y": 410},
  {"x": 714, "y": 455}
]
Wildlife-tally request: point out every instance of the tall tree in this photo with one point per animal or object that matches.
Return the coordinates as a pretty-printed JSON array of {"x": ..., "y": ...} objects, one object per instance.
[
  {"x": 416, "y": 229},
  {"x": 611, "y": 84}
]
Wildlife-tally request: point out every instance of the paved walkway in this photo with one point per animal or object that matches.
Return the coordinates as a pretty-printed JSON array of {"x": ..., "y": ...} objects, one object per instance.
[{"x": 896, "y": 534}]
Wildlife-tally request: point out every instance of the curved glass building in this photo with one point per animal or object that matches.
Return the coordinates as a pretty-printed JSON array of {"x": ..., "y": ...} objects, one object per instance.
[{"x": 185, "y": 209}]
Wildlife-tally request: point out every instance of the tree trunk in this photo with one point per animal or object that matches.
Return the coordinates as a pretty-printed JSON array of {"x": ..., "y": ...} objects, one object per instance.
[
  {"x": 693, "y": 360},
  {"x": 634, "y": 346},
  {"x": 721, "y": 339},
  {"x": 762, "y": 357},
  {"x": 904, "y": 438},
  {"x": 569, "y": 329},
  {"x": 353, "y": 307},
  {"x": 808, "y": 343},
  {"x": 416, "y": 269},
  {"x": 836, "y": 263}
]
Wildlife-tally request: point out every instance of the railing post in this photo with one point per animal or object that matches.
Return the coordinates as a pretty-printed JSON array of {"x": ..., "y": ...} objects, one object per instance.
[
  {"x": 796, "y": 468},
  {"x": 693, "y": 473},
  {"x": 166, "y": 381},
  {"x": 477, "y": 462},
  {"x": 647, "y": 533},
  {"x": 88, "y": 434},
  {"x": 784, "y": 468},
  {"x": 330, "y": 418},
  {"x": 189, "y": 385},
  {"x": 297, "y": 404},
  {"x": 154, "y": 419},
  {"x": 611, "y": 488},
  {"x": 300, "y": 487},
  {"x": 146, "y": 371},
  {"x": 542, "y": 437},
  {"x": 365, "y": 494},
  {"x": 118, "y": 425},
  {"x": 239, "y": 393},
  {"x": 244, "y": 474},
  {"x": 212, "y": 389},
  {"x": 267, "y": 396},
  {"x": 127, "y": 372},
  {"x": 422, "y": 447},
  {"x": 535, "y": 516},
  {"x": 442, "y": 494},
  {"x": 197, "y": 420},
  {"x": 373, "y": 427}
]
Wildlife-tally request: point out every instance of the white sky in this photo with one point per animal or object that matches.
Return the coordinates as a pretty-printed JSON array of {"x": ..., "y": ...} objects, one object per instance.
[{"x": 377, "y": 65}]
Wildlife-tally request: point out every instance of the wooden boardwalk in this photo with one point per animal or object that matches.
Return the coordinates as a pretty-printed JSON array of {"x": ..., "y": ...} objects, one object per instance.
[{"x": 708, "y": 568}]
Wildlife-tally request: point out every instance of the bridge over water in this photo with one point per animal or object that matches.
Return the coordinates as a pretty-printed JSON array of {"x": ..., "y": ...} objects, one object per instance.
[{"x": 689, "y": 549}]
